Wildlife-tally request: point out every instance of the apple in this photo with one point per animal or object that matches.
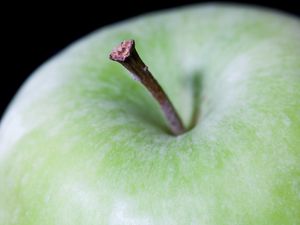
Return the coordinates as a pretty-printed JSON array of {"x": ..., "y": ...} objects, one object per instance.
[{"x": 83, "y": 143}]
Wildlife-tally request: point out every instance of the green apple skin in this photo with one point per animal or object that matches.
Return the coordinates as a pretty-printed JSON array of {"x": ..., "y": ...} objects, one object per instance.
[{"x": 82, "y": 143}]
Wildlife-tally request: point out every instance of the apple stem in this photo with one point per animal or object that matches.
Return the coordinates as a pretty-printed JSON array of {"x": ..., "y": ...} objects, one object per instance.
[{"x": 126, "y": 55}]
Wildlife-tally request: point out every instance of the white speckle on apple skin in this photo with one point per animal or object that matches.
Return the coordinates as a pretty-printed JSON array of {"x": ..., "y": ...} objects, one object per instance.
[
  {"x": 286, "y": 121},
  {"x": 121, "y": 215}
]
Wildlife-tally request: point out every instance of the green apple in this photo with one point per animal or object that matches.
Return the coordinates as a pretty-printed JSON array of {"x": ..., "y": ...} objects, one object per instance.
[{"x": 82, "y": 143}]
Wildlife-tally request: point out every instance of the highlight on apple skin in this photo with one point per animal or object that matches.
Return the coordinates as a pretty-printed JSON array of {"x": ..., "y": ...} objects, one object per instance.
[{"x": 82, "y": 143}]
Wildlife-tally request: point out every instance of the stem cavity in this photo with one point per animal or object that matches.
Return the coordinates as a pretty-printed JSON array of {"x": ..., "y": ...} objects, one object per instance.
[{"x": 126, "y": 54}]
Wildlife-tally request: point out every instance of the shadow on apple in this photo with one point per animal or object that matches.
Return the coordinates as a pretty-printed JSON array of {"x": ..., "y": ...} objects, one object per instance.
[
  {"x": 196, "y": 81},
  {"x": 152, "y": 115}
]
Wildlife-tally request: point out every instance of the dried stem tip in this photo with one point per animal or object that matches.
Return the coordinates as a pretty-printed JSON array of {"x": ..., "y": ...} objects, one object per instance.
[
  {"x": 127, "y": 55},
  {"x": 121, "y": 52}
]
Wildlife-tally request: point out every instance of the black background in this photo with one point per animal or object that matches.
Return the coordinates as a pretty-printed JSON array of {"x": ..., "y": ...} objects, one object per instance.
[{"x": 34, "y": 33}]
